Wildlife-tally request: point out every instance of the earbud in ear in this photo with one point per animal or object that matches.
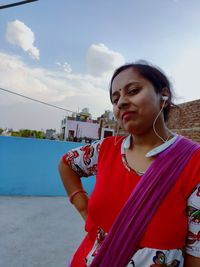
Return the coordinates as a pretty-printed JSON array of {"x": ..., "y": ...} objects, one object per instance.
[{"x": 165, "y": 98}]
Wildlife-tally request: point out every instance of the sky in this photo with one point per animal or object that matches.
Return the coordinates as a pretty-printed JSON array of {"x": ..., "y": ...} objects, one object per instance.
[{"x": 64, "y": 53}]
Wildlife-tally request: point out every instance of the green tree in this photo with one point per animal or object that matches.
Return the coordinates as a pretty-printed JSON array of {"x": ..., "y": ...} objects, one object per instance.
[
  {"x": 29, "y": 133},
  {"x": 38, "y": 134},
  {"x": 17, "y": 134},
  {"x": 26, "y": 133}
]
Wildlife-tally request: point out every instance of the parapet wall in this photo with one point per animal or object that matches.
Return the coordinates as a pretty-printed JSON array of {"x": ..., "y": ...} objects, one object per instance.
[{"x": 29, "y": 167}]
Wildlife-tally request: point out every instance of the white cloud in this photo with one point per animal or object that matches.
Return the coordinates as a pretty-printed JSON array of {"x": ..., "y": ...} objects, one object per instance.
[
  {"x": 72, "y": 91},
  {"x": 17, "y": 33},
  {"x": 102, "y": 61},
  {"x": 75, "y": 91},
  {"x": 15, "y": 75},
  {"x": 65, "y": 66},
  {"x": 62, "y": 88}
]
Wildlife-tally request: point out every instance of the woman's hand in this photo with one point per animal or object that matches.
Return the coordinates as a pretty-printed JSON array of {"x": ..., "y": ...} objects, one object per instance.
[{"x": 191, "y": 261}]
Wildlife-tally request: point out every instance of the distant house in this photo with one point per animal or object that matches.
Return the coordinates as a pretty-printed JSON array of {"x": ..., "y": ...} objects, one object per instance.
[
  {"x": 107, "y": 124},
  {"x": 50, "y": 134},
  {"x": 7, "y": 132},
  {"x": 72, "y": 130},
  {"x": 80, "y": 127}
]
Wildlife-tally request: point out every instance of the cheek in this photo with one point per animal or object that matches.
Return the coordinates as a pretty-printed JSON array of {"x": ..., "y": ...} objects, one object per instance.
[
  {"x": 149, "y": 107},
  {"x": 116, "y": 112}
]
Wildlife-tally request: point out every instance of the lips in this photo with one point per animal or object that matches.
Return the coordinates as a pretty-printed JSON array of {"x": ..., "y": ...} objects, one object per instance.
[{"x": 127, "y": 114}]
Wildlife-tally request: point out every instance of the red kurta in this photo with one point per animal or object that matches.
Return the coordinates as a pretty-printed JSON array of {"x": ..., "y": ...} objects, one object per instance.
[{"x": 114, "y": 183}]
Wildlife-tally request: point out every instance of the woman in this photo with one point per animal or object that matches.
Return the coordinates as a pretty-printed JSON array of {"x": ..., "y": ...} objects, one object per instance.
[{"x": 136, "y": 215}]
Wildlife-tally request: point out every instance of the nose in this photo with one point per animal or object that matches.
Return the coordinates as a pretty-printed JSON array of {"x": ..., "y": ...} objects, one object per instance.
[{"x": 122, "y": 102}]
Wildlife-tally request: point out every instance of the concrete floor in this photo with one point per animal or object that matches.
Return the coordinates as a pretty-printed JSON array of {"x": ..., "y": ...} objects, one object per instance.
[{"x": 38, "y": 231}]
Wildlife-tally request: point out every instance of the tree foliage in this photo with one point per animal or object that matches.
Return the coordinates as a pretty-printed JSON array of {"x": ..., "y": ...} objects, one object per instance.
[{"x": 29, "y": 133}]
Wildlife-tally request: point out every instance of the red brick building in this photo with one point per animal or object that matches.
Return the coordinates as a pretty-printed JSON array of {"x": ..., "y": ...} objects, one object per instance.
[{"x": 185, "y": 120}]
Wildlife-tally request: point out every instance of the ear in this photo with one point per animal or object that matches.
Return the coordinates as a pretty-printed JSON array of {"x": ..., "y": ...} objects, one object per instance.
[
  {"x": 165, "y": 96},
  {"x": 165, "y": 93}
]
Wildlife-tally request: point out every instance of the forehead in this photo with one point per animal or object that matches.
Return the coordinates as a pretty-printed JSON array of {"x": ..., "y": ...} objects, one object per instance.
[{"x": 125, "y": 77}]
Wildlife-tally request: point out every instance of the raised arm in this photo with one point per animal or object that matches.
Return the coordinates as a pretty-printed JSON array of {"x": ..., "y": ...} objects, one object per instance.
[
  {"x": 72, "y": 183},
  {"x": 77, "y": 163}
]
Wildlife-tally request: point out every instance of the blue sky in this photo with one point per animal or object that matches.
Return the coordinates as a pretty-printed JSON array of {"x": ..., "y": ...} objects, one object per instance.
[{"x": 64, "y": 53}]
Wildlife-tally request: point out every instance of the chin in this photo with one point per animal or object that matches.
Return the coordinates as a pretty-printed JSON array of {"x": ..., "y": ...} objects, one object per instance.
[{"x": 130, "y": 129}]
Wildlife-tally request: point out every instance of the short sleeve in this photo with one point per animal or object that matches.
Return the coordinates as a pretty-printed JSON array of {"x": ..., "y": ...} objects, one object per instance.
[
  {"x": 193, "y": 237},
  {"x": 83, "y": 160}
]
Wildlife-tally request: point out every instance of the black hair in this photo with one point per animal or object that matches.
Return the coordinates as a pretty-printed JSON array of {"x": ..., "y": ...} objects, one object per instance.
[{"x": 152, "y": 74}]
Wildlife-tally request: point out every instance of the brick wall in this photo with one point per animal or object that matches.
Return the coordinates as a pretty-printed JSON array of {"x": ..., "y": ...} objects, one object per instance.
[{"x": 185, "y": 120}]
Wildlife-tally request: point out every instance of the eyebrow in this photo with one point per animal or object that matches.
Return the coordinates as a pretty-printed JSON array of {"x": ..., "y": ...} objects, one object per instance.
[{"x": 125, "y": 87}]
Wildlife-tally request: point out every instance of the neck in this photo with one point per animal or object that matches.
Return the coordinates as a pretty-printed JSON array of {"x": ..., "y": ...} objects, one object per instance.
[{"x": 149, "y": 140}]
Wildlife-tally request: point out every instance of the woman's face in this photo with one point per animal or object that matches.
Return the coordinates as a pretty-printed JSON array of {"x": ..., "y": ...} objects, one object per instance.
[{"x": 135, "y": 102}]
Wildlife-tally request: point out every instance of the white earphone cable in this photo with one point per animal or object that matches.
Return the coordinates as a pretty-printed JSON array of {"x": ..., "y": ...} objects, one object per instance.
[{"x": 154, "y": 123}]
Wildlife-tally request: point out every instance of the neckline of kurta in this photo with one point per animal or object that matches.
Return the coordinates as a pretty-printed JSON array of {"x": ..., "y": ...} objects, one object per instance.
[{"x": 126, "y": 143}]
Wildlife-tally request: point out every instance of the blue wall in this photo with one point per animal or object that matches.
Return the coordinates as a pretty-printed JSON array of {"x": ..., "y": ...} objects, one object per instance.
[{"x": 30, "y": 167}]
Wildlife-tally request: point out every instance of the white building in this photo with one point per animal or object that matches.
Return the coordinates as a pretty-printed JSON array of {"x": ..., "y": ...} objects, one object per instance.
[
  {"x": 81, "y": 126},
  {"x": 71, "y": 129}
]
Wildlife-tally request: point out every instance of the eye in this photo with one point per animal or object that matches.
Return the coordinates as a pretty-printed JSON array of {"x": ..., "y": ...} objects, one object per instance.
[
  {"x": 133, "y": 90},
  {"x": 115, "y": 100}
]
